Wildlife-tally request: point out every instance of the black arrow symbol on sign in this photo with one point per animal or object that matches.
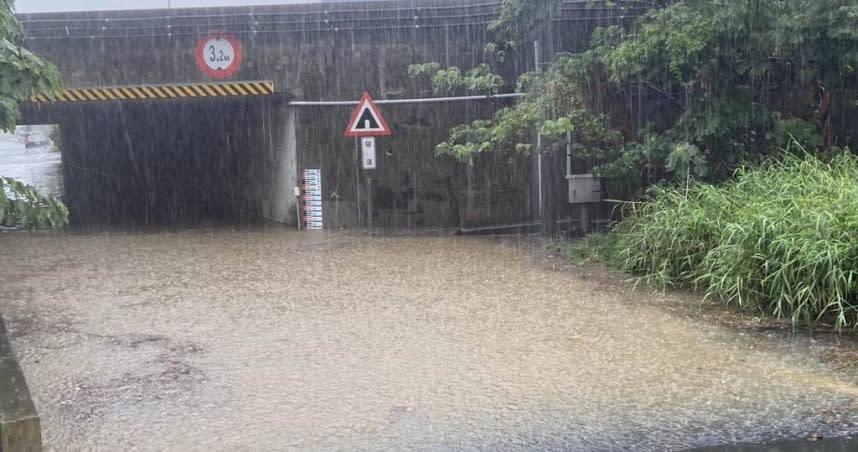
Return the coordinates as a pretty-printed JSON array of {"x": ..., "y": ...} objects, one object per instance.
[{"x": 367, "y": 121}]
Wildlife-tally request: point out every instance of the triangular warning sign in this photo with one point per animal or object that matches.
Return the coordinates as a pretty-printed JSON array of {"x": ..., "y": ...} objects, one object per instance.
[{"x": 366, "y": 120}]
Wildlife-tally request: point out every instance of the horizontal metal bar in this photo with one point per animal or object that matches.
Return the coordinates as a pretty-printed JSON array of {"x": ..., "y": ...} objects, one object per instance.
[
  {"x": 531, "y": 224},
  {"x": 424, "y": 100}
]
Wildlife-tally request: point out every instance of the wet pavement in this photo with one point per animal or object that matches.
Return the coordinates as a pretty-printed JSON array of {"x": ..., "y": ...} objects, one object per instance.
[
  {"x": 273, "y": 339},
  {"x": 39, "y": 166}
]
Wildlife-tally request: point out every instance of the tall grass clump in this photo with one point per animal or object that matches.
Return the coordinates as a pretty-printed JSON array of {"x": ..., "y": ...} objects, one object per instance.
[
  {"x": 593, "y": 247},
  {"x": 781, "y": 239}
]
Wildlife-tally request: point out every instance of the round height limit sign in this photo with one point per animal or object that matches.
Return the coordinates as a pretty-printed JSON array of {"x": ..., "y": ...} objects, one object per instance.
[{"x": 219, "y": 55}]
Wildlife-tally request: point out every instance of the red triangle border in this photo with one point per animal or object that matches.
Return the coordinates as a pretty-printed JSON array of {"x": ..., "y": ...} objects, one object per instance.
[{"x": 357, "y": 113}]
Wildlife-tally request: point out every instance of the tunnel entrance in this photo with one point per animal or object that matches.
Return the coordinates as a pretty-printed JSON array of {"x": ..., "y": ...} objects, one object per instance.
[{"x": 176, "y": 161}]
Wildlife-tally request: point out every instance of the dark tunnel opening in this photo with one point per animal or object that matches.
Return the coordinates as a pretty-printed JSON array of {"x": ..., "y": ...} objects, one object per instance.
[{"x": 174, "y": 162}]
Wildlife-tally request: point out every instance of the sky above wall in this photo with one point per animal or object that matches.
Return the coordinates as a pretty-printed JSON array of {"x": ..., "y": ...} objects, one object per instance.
[{"x": 39, "y": 6}]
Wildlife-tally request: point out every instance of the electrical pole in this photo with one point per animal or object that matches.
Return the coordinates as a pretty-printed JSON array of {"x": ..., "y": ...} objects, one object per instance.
[{"x": 546, "y": 162}]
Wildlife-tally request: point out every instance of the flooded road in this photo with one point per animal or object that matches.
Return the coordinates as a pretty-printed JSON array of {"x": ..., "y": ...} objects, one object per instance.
[
  {"x": 271, "y": 339},
  {"x": 38, "y": 166}
]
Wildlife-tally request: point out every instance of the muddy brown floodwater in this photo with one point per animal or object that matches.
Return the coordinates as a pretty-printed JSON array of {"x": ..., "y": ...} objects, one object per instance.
[{"x": 271, "y": 340}]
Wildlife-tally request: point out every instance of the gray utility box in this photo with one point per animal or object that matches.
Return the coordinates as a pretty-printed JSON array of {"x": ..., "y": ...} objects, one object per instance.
[{"x": 584, "y": 188}]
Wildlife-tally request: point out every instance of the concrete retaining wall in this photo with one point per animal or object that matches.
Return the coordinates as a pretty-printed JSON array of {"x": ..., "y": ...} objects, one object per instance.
[
  {"x": 20, "y": 430},
  {"x": 151, "y": 167}
]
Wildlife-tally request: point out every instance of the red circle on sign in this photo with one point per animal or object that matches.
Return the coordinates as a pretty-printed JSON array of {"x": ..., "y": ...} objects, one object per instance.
[{"x": 219, "y": 55}]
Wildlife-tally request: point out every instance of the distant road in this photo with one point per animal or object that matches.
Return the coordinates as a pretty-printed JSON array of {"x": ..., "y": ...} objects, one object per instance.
[{"x": 35, "y": 166}]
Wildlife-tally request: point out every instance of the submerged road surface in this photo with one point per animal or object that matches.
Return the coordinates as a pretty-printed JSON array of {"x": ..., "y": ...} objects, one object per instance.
[{"x": 272, "y": 340}]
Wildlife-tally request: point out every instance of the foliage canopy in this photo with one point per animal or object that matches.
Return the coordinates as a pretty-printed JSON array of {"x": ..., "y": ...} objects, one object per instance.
[
  {"x": 22, "y": 76},
  {"x": 22, "y": 73},
  {"x": 693, "y": 88}
]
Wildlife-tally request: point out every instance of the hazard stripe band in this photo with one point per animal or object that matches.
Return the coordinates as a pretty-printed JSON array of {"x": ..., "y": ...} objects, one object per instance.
[{"x": 173, "y": 91}]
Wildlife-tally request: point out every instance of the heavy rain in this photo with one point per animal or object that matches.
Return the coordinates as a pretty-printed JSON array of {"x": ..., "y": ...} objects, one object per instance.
[{"x": 434, "y": 225}]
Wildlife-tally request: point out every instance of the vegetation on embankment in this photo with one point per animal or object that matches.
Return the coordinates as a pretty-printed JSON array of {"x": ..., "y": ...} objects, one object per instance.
[
  {"x": 779, "y": 238},
  {"x": 689, "y": 87},
  {"x": 22, "y": 206},
  {"x": 23, "y": 75}
]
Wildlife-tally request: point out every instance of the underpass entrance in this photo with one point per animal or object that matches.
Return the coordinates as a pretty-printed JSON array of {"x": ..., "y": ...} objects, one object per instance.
[{"x": 183, "y": 155}]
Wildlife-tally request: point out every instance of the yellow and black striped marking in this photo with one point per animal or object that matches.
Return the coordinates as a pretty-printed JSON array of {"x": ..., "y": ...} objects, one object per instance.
[{"x": 175, "y": 91}]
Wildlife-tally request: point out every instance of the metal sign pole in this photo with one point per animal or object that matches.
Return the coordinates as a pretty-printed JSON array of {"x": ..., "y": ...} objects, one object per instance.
[
  {"x": 298, "y": 203},
  {"x": 357, "y": 182},
  {"x": 366, "y": 123},
  {"x": 369, "y": 201},
  {"x": 369, "y": 162}
]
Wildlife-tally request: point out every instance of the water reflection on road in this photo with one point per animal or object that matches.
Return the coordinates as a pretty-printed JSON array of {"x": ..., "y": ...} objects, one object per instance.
[
  {"x": 270, "y": 339},
  {"x": 37, "y": 166}
]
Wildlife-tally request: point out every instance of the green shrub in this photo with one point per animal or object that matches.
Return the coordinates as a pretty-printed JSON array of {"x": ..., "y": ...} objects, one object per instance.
[
  {"x": 23, "y": 207},
  {"x": 781, "y": 238},
  {"x": 591, "y": 248},
  {"x": 795, "y": 134}
]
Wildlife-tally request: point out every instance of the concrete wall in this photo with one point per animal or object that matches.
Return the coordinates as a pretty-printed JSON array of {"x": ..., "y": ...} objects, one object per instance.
[
  {"x": 311, "y": 52},
  {"x": 20, "y": 429},
  {"x": 412, "y": 187},
  {"x": 279, "y": 202}
]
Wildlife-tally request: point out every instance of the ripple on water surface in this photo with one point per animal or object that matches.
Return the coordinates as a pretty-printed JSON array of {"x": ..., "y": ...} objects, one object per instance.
[{"x": 274, "y": 339}]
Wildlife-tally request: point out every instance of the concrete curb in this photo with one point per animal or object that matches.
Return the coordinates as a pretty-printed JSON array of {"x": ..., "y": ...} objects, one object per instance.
[{"x": 20, "y": 429}]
